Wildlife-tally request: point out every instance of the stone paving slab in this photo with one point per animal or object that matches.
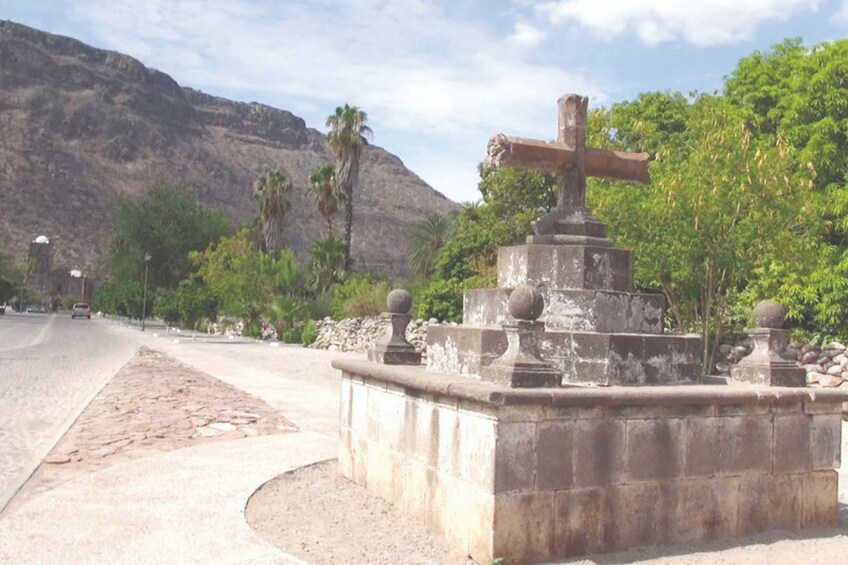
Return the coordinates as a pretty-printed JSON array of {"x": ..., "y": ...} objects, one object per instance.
[
  {"x": 157, "y": 469},
  {"x": 153, "y": 404}
]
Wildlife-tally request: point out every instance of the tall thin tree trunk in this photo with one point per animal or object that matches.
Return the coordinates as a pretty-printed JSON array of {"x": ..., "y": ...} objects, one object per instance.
[{"x": 348, "y": 261}]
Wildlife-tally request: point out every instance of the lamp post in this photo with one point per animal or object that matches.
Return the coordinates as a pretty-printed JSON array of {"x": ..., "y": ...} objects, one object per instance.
[{"x": 147, "y": 258}]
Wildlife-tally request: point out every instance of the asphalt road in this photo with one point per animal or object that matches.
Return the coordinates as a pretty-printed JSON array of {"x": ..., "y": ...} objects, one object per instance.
[{"x": 50, "y": 368}]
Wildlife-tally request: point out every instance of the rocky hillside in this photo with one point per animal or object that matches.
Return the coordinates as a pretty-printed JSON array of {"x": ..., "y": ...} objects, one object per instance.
[{"x": 81, "y": 126}]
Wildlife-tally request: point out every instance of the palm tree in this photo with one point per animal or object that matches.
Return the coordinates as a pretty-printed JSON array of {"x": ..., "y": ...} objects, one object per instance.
[
  {"x": 427, "y": 239},
  {"x": 271, "y": 191},
  {"x": 322, "y": 184},
  {"x": 327, "y": 263},
  {"x": 346, "y": 138}
]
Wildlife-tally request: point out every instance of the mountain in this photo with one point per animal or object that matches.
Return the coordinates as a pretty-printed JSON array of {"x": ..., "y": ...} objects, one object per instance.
[{"x": 81, "y": 126}]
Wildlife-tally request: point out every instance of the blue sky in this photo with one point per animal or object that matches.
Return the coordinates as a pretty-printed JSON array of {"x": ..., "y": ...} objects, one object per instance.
[{"x": 438, "y": 78}]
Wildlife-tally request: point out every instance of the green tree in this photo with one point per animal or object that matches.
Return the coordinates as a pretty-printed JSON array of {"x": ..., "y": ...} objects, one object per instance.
[
  {"x": 166, "y": 307},
  {"x": 326, "y": 263},
  {"x": 238, "y": 274},
  {"x": 798, "y": 94},
  {"x": 322, "y": 186},
  {"x": 271, "y": 190},
  {"x": 427, "y": 239},
  {"x": 717, "y": 210},
  {"x": 10, "y": 277},
  {"x": 347, "y": 136},
  {"x": 512, "y": 199},
  {"x": 195, "y": 302},
  {"x": 167, "y": 223}
]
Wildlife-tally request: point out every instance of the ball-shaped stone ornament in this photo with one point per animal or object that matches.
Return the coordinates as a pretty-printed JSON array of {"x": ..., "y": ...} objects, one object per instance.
[
  {"x": 525, "y": 303},
  {"x": 769, "y": 314},
  {"x": 399, "y": 301}
]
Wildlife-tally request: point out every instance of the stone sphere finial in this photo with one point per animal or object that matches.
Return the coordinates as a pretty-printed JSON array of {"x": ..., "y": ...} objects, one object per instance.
[
  {"x": 526, "y": 303},
  {"x": 399, "y": 301},
  {"x": 769, "y": 314}
]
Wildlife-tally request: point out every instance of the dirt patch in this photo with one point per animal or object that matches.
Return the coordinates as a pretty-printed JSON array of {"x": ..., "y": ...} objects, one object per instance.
[
  {"x": 153, "y": 404},
  {"x": 316, "y": 515}
]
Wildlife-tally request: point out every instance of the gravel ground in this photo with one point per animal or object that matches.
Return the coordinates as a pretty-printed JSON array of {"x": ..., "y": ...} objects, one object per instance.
[{"x": 322, "y": 518}]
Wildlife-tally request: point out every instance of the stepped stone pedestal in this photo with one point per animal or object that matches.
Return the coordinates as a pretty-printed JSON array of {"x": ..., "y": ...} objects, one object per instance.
[{"x": 596, "y": 330}]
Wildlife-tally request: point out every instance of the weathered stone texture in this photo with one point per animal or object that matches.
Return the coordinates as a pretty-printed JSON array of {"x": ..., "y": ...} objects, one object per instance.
[
  {"x": 565, "y": 267},
  {"x": 581, "y": 357},
  {"x": 532, "y": 482}
]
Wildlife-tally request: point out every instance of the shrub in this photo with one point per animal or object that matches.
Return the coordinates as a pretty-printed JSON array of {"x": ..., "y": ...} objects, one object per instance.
[
  {"x": 309, "y": 333},
  {"x": 292, "y": 336},
  {"x": 441, "y": 300},
  {"x": 360, "y": 295},
  {"x": 253, "y": 330}
]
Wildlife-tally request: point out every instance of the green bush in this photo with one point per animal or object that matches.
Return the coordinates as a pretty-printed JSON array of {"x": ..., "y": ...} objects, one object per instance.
[
  {"x": 441, "y": 300},
  {"x": 309, "y": 333},
  {"x": 68, "y": 301},
  {"x": 292, "y": 336},
  {"x": 360, "y": 295},
  {"x": 253, "y": 330},
  {"x": 166, "y": 306}
]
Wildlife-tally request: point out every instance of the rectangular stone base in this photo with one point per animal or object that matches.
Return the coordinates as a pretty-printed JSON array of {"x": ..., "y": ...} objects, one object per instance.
[
  {"x": 536, "y": 475},
  {"x": 581, "y": 357}
]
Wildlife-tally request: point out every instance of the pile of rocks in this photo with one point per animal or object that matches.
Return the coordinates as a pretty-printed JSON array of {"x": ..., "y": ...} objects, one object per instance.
[
  {"x": 826, "y": 367},
  {"x": 731, "y": 349},
  {"x": 360, "y": 334}
]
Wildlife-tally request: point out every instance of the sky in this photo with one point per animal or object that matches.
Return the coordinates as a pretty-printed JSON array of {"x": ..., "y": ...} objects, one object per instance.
[{"x": 438, "y": 78}]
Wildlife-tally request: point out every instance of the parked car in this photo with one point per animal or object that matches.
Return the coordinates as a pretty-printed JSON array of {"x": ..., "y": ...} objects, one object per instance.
[
  {"x": 36, "y": 309},
  {"x": 81, "y": 310},
  {"x": 3, "y": 308}
]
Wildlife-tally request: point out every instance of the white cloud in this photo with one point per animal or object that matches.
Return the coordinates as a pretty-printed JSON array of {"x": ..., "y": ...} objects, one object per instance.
[
  {"x": 413, "y": 65},
  {"x": 701, "y": 22},
  {"x": 525, "y": 34},
  {"x": 841, "y": 15}
]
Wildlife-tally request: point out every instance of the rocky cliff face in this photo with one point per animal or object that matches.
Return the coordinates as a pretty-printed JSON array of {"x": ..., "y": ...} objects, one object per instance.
[{"x": 81, "y": 126}]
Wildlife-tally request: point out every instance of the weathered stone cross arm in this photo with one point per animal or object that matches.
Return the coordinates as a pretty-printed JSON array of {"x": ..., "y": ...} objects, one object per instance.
[{"x": 533, "y": 154}]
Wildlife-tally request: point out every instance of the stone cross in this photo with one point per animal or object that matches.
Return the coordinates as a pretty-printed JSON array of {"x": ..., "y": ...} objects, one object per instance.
[{"x": 572, "y": 162}]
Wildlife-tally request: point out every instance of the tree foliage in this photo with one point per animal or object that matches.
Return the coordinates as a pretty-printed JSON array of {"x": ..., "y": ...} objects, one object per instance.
[
  {"x": 322, "y": 186},
  {"x": 511, "y": 199},
  {"x": 427, "y": 239},
  {"x": 720, "y": 206},
  {"x": 270, "y": 191},
  {"x": 10, "y": 277},
  {"x": 800, "y": 94},
  {"x": 167, "y": 223},
  {"x": 195, "y": 302}
]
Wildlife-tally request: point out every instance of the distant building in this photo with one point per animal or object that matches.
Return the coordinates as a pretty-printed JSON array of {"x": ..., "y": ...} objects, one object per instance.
[
  {"x": 65, "y": 281},
  {"x": 40, "y": 257}
]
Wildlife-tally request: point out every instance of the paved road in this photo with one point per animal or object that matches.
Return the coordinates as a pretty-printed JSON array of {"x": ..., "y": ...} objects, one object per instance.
[{"x": 50, "y": 368}]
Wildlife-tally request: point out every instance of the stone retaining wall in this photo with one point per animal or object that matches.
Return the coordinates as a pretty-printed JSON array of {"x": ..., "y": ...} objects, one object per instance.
[
  {"x": 535, "y": 475},
  {"x": 359, "y": 334}
]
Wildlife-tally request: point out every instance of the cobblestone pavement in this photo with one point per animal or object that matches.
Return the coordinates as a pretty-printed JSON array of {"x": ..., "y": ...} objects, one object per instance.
[
  {"x": 154, "y": 404},
  {"x": 50, "y": 367}
]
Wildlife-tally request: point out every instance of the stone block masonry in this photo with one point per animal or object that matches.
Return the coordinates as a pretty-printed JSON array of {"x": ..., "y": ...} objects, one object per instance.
[{"x": 541, "y": 474}]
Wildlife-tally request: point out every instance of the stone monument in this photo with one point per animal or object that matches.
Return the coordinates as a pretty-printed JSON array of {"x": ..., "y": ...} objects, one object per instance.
[
  {"x": 597, "y": 330},
  {"x": 509, "y": 466}
]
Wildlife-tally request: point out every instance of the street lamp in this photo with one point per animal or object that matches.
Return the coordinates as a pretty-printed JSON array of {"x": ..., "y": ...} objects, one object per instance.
[{"x": 147, "y": 258}]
